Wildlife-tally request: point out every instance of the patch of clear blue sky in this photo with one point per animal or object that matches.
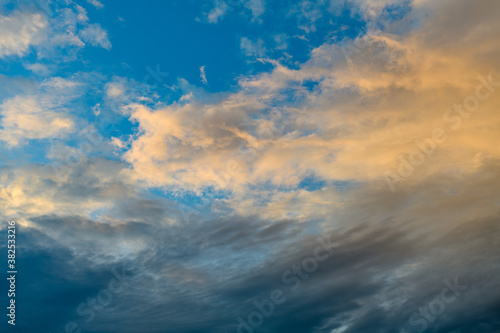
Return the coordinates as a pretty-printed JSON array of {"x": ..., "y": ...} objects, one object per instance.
[
  {"x": 311, "y": 183},
  {"x": 168, "y": 34},
  {"x": 176, "y": 36}
]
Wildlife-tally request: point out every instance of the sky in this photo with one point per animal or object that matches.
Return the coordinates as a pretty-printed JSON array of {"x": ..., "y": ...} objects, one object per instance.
[{"x": 216, "y": 166}]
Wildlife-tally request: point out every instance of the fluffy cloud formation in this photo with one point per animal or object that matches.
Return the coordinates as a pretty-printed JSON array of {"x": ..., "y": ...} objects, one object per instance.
[
  {"x": 357, "y": 109},
  {"x": 39, "y": 115},
  {"x": 48, "y": 27}
]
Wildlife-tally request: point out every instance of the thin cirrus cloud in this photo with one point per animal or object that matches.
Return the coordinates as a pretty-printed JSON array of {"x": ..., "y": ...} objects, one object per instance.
[
  {"x": 221, "y": 8},
  {"x": 96, "y": 3},
  {"x": 96, "y": 36}
]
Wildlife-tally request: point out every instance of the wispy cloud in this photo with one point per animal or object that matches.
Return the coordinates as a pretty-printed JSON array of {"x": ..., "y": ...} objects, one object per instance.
[
  {"x": 20, "y": 31},
  {"x": 96, "y": 3},
  {"x": 96, "y": 36},
  {"x": 217, "y": 12},
  {"x": 252, "y": 48},
  {"x": 203, "y": 75},
  {"x": 38, "y": 116}
]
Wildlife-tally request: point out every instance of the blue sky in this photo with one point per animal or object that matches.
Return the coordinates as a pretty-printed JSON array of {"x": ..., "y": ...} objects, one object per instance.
[{"x": 334, "y": 160}]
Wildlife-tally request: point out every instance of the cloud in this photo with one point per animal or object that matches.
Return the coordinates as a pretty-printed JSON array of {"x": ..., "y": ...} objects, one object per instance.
[
  {"x": 25, "y": 118},
  {"x": 96, "y": 3},
  {"x": 376, "y": 276},
  {"x": 203, "y": 75},
  {"x": 257, "y": 7},
  {"x": 344, "y": 124},
  {"x": 20, "y": 31},
  {"x": 252, "y": 49},
  {"x": 186, "y": 97},
  {"x": 115, "y": 89},
  {"x": 222, "y": 8},
  {"x": 96, "y": 36},
  {"x": 40, "y": 115},
  {"x": 217, "y": 12},
  {"x": 281, "y": 41},
  {"x": 40, "y": 69},
  {"x": 28, "y": 28}
]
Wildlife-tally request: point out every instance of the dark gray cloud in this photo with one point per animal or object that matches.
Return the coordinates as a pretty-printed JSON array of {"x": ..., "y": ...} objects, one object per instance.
[{"x": 181, "y": 281}]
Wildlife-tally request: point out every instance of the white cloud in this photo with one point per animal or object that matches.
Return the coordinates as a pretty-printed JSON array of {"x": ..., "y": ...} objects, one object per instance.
[
  {"x": 252, "y": 49},
  {"x": 186, "y": 97},
  {"x": 28, "y": 118},
  {"x": 203, "y": 75},
  {"x": 96, "y": 3},
  {"x": 82, "y": 15},
  {"x": 56, "y": 34},
  {"x": 96, "y": 36},
  {"x": 96, "y": 109},
  {"x": 115, "y": 89},
  {"x": 40, "y": 69},
  {"x": 20, "y": 31},
  {"x": 256, "y": 7},
  {"x": 223, "y": 7},
  {"x": 39, "y": 115},
  {"x": 217, "y": 12}
]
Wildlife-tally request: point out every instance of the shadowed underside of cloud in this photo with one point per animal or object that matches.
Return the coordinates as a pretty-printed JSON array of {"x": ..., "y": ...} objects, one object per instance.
[
  {"x": 375, "y": 279},
  {"x": 200, "y": 276}
]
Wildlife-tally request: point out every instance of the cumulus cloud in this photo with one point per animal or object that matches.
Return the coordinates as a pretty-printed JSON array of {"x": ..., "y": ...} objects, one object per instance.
[
  {"x": 257, "y": 7},
  {"x": 40, "y": 69}
]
